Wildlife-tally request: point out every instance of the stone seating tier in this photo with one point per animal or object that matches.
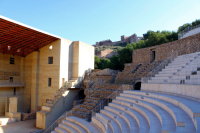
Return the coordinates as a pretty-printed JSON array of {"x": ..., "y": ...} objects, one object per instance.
[
  {"x": 184, "y": 69},
  {"x": 140, "y": 111}
]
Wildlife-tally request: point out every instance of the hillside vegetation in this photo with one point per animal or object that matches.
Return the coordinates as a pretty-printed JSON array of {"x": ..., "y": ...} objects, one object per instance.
[{"x": 151, "y": 38}]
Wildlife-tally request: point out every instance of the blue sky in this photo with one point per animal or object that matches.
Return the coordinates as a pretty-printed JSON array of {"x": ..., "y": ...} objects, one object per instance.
[{"x": 95, "y": 20}]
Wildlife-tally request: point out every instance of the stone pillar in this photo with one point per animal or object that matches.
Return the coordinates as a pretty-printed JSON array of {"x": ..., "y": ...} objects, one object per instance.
[{"x": 12, "y": 109}]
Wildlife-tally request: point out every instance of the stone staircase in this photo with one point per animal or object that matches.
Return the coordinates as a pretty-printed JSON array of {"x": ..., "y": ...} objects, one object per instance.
[
  {"x": 94, "y": 97},
  {"x": 49, "y": 103},
  {"x": 184, "y": 69},
  {"x": 84, "y": 110},
  {"x": 132, "y": 73}
]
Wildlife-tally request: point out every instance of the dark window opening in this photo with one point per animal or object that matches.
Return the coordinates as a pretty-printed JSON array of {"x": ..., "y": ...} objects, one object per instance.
[
  {"x": 81, "y": 94},
  {"x": 14, "y": 91},
  {"x": 12, "y": 60},
  {"x": 11, "y": 79},
  {"x": 137, "y": 86},
  {"x": 49, "y": 82},
  {"x": 50, "y": 60},
  {"x": 153, "y": 56}
]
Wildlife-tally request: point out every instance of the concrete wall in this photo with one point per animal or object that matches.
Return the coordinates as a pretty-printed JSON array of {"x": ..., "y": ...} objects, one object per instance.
[
  {"x": 63, "y": 105},
  {"x": 83, "y": 58},
  {"x": 65, "y": 57},
  {"x": 86, "y": 58},
  {"x": 186, "y": 90},
  {"x": 168, "y": 50}
]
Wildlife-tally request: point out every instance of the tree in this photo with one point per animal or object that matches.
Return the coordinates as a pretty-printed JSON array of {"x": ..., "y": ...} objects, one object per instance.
[
  {"x": 188, "y": 25},
  {"x": 183, "y": 27},
  {"x": 101, "y": 63}
]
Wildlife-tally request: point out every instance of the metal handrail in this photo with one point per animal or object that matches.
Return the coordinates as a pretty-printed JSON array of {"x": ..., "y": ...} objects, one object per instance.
[
  {"x": 156, "y": 70},
  {"x": 105, "y": 102},
  {"x": 55, "y": 124}
]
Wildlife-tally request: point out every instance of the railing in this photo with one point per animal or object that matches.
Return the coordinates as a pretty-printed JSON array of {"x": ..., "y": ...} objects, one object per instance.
[
  {"x": 104, "y": 102},
  {"x": 55, "y": 124},
  {"x": 61, "y": 118},
  {"x": 182, "y": 33},
  {"x": 156, "y": 70},
  {"x": 11, "y": 84}
]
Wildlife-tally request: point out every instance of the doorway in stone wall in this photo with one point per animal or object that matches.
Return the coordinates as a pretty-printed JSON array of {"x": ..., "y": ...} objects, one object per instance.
[
  {"x": 153, "y": 55},
  {"x": 137, "y": 86}
]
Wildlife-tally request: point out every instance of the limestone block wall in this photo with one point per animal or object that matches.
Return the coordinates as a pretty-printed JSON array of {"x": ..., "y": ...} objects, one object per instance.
[
  {"x": 46, "y": 71},
  {"x": 168, "y": 50},
  {"x": 69, "y": 60},
  {"x": 8, "y": 70},
  {"x": 37, "y": 70}
]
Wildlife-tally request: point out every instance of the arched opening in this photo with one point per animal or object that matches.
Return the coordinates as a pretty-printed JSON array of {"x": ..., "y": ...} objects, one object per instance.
[
  {"x": 81, "y": 94},
  {"x": 137, "y": 86}
]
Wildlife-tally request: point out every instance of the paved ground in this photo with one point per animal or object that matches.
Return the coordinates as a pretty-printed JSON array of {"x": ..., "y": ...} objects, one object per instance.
[{"x": 19, "y": 127}]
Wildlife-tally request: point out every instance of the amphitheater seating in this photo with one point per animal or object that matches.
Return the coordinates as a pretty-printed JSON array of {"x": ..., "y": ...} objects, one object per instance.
[
  {"x": 148, "y": 111},
  {"x": 141, "y": 111},
  {"x": 184, "y": 69}
]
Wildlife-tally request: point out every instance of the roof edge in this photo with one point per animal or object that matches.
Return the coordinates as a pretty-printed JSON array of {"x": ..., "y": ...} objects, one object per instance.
[{"x": 30, "y": 27}]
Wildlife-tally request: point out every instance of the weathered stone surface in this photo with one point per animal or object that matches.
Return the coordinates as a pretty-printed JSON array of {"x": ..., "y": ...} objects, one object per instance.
[{"x": 168, "y": 50}]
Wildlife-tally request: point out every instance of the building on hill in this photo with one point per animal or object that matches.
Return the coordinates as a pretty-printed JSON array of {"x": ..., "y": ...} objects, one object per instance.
[
  {"x": 104, "y": 43},
  {"x": 35, "y": 64},
  {"x": 130, "y": 39},
  {"x": 124, "y": 40}
]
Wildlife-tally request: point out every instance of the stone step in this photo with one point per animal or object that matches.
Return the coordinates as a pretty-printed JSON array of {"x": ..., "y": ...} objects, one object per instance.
[
  {"x": 189, "y": 107},
  {"x": 168, "y": 123},
  {"x": 155, "y": 124},
  {"x": 141, "y": 120},
  {"x": 112, "y": 125},
  {"x": 121, "y": 122},
  {"x": 60, "y": 130},
  {"x": 67, "y": 128},
  {"x": 99, "y": 124},
  {"x": 74, "y": 126},
  {"x": 131, "y": 122}
]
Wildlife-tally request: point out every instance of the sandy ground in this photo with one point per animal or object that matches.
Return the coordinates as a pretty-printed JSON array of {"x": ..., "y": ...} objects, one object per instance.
[{"x": 19, "y": 127}]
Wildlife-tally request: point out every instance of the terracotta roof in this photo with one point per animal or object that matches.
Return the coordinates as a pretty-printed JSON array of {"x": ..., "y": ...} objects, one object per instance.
[{"x": 19, "y": 39}]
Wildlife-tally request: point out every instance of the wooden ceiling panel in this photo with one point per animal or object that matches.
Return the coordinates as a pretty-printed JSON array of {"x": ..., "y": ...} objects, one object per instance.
[{"x": 21, "y": 39}]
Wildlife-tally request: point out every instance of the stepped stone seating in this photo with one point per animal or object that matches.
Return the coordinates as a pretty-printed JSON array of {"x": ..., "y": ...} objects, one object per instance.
[
  {"x": 74, "y": 124},
  {"x": 132, "y": 73},
  {"x": 141, "y": 111},
  {"x": 144, "y": 111},
  {"x": 184, "y": 69}
]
